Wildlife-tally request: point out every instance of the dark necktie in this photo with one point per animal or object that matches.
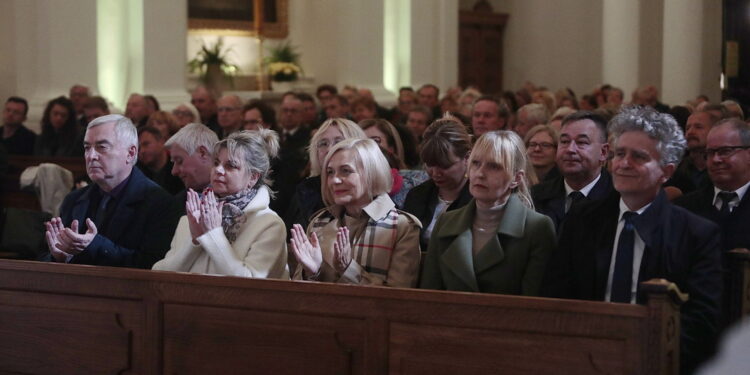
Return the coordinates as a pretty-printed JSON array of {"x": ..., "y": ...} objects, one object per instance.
[
  {"x": 101, "y": 211},
  {"x": 725, "y": 198},
  {"x": 575, "y": 198},
  {"x": 622, "y": 278}
]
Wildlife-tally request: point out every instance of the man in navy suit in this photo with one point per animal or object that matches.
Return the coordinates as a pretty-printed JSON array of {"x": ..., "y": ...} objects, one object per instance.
[
  {"x": 607, "y": 248},
  {"x": 123, "y": 218},
  {"x": 581, "y": 152},
  {"x": 726, "y": 202}
]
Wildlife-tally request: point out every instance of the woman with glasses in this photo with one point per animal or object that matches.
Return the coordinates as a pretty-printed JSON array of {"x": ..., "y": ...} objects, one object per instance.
[
  {"x": 361, "y": 237},
  {"x": 541, "y": 146},
  {"x": 445, "y": 150},
  {"x": 307, "y": 198}
]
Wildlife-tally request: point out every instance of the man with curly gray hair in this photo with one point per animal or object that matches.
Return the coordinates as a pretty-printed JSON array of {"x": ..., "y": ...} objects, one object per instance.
[{"x": 607, "y": 248}]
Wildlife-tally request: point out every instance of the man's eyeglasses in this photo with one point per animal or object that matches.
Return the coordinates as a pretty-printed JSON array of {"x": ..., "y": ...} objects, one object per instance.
[
  {"x": 228, "y": 109},
  {"x": 723, "y": 152},
  {"x": 544, "y": 145}
]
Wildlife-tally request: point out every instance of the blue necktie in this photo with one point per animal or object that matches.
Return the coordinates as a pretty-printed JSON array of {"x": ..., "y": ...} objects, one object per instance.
[{"x": 622, "y": 278}]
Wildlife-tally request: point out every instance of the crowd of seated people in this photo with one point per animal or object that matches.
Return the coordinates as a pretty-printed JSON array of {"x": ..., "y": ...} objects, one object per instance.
[{"x": 533, "y": 192}]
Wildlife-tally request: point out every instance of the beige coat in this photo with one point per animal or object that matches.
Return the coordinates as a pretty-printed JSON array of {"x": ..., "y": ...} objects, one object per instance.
[
  {"x": 259, "y": 251},
  {"x": 384, "y": 252}
]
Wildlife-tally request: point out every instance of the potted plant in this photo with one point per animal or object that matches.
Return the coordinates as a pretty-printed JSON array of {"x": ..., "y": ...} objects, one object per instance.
[
  {"x": 283, "y": 65},
  {"x": 211, "y": 62}
]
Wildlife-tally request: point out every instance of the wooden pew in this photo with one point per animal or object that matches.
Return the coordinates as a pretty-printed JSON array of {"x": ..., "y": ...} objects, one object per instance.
[
  {"x": 13, "y": 196},
  {"x": 738, "y": 291},
  {"x": 71, "y": 319}
]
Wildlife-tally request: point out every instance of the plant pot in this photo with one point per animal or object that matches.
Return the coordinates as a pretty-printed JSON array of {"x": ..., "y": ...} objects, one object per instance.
[
  {"x": 214, "y": 77},
  {"x": 283, "y": 86}
]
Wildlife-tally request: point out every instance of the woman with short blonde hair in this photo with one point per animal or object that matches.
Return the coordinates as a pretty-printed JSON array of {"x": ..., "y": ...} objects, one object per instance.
[
  {"x": 360, "y": 238},
  {"x": 307, "y": 197},
  {"x": 229, "y": 228},
  {"x": 497, "y": 243}
]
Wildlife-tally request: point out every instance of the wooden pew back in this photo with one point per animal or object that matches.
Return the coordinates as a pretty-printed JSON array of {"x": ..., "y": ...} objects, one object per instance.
[
  {"x": 62, "y": 319},
  {"x": 13, "y": 196},
  {"x": 739, "y": 285}
]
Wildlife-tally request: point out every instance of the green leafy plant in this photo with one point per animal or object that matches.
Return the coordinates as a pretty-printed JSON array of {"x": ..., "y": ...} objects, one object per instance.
[
  {"x": 212, "y": 55},
  {"x": 284, "y": 52},
  {"x": 283, "y": 63}
]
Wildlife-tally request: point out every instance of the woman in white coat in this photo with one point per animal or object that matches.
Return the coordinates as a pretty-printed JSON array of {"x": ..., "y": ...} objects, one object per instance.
[{"x": 229, "y": 229}]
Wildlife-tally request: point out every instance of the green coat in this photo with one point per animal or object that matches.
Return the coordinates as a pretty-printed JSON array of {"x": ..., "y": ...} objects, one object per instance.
[{"x": 512, "y": 262}]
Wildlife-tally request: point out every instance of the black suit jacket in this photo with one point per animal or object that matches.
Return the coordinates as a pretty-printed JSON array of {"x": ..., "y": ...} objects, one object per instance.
[
  {"x": 734, "y": 228},
  {"x": 288, "y": 168},
  {"x": 680, "y": 247},
  {"x": 549, "y": 196},
  {"x": 139, "y": 231},
  {"x": 422, "y": 200}
]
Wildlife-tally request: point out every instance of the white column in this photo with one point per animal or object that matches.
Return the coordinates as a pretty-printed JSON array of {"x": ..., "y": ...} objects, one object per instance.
[
  {"x": 51, "y": 52},
  {"x": 164, "y": 51},
  {"x": 682, "y": 51},
  {"x": 397, "y": 44},
  {"x": 434, "y": 43},
  {"x": 620, "y": 43}
]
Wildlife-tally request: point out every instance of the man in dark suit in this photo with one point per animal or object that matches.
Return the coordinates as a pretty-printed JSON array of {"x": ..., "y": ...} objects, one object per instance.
[
  {"x": 581, "y": 152},
  {"x": 607, "y": 248},
  {"x": 123, "y": 219},
  {"x": 17, "y": 138},
  {"x": 726, "y": 202},
  {"x": 287, "y": 169}
]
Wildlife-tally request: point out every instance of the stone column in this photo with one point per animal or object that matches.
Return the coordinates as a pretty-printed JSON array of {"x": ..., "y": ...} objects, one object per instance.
[
  {"x": 683, "y": 50},
  {"x": 620, "y": 44}
]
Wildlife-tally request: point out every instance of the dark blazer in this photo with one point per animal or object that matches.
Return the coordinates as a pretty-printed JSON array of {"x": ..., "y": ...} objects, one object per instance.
[
  {"x": 307, "y": 200},
  {"x": 287, "y": 170},
  {"x": 512, "y": 262},
  {"x": 139, "y": 231},
  {"x": 680, "y": 247},
  {"x": 549, "y": 196},
  {"x": 422, "y": 200},
  {"x": 734, "y": 228}
]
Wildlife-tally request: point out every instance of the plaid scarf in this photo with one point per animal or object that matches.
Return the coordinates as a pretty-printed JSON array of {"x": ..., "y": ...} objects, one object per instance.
[{"x": 232, "y": 215}]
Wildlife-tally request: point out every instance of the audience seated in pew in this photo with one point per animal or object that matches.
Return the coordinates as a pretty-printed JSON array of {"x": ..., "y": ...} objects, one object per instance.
[
  {"x": 236, "y": 234},
  {"x": 191, "y": 153},
  {"x": 541, "y": 146},
  {"x": 307, "y": 198},
  {"x": 61, "y": 134},
  {"x": 496, "y": 243},
  {"x": 607, "y": 247},
  {"x": 581, "y": 152},
  {"x": 360, "y": 238},
  {"x": 445, "y": 151},
  {"x": 17, "y": 138},
  {"x": 122, "y": 219}
]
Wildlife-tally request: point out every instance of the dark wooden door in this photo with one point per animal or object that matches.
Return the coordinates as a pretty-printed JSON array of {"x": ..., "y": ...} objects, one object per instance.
[{"x": 481, "y": 49}]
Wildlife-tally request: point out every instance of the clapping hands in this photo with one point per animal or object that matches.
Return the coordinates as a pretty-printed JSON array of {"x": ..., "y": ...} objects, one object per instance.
[
  {"x": 203, "y": 215},
  {"x": 64, "y": 243},
  {"x": 308, "y": 252}
]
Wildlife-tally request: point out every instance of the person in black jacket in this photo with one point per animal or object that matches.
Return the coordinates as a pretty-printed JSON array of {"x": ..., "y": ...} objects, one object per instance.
[
  {"x": 607, "y": 248},
  {"x": 123, "y": 219},
  {"x": 581, "y": 151},
  {"x": 445, "y": 150},
  {"x": 61, "y": 134}
]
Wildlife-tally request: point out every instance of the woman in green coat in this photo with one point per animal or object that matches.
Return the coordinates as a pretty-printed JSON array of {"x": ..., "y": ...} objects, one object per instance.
[{"x": 497, "y": 243}]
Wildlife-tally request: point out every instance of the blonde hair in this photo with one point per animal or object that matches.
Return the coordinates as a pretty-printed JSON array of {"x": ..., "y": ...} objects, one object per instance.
[
  {"x": 253, "y": 150},
  {"x": 348, "y": 128},
  {"x": 369, "y": 160},
  {"x": 507, "y": 149}
]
